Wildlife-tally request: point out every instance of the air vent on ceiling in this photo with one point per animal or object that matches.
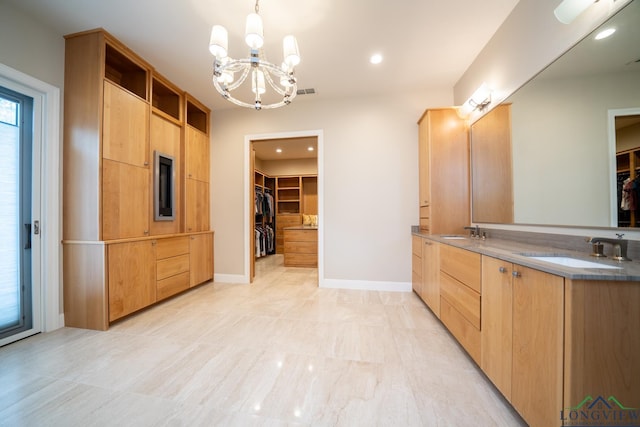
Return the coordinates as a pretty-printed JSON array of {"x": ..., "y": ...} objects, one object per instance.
[{"x": 306, "y": 91}]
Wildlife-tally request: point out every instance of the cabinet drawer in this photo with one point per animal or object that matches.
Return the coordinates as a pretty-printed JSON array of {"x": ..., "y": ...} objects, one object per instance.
[
  {"x": 464, "y": 299},
  {"x": 175, "y": 246},
  {"x": 300, "y": 260},
  {"x": 466, "y": 334},
  {"x": 172, "y": 285},
  {"x": 283, "y": 221},
  {"x": 301, "y": 247},
  {"x": 171, "y": 266},
  {"x": 301, "y": 235},
  {"x": 425, "y": 212},
  {"x": 416, "y": 246},
  {"x": 462, "y": 265}
]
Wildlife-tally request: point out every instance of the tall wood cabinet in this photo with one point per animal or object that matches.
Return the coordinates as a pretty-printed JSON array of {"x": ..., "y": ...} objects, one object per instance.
[
  {"x": 118, "y": 112},
  {"x": 443, "y": 158},
  {"x": 295, "y": 195}
]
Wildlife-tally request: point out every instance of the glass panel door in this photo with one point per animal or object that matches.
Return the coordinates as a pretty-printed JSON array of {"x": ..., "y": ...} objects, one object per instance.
[{"x": 16, "y": 141}]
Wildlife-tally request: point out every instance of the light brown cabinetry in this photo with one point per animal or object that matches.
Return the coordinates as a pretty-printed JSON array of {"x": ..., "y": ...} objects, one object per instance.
[
  {"x": 301, "y": 247},
  {"x": 460, "y": 291},
  {"x": 196, "y": 166},
  {"x": 431, "y": 275},
  {"x": 492, "y": 193},
  {"x": 201, "y": 258},
  {"x": 132, "y": 277},
  {"x": 295, "y": 195},
  {"x": 416, "y": 265},
  {"x": 443, "y": 157},
  {"x": 172, "y": 266},
  {"x": 523, "y": 338},
  {"x": 118, "y": 112}
]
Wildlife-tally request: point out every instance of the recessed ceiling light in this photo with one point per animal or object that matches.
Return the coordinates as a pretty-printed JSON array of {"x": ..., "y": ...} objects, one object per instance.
[
  {"x": 605, "y": 33},
  {"x": 278, "y": 150},
  {"x": 310, "y": 149},
  {"x": 376, "y": 58}
]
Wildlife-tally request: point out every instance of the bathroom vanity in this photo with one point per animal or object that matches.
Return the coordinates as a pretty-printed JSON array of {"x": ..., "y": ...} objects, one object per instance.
[{"x": 550, "y": 328}]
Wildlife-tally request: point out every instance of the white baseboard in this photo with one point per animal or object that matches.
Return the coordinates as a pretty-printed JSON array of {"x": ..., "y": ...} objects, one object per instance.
[
  {"x": 61, "y": 321},
  {"x": 231, "y": 278},
  {"x": 366, "y": 285}
]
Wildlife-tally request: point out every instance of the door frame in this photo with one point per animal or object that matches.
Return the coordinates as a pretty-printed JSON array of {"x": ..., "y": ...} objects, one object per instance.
[
  {"x": 248, "y": 199},
  {"x": 611, "y": 130},
  {"x": 46, "y": 159}
]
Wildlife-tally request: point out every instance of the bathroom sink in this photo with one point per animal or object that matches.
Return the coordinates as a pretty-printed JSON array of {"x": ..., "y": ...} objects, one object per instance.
[
  {"x": 453, "y": 237},
  {"x": 566, "y": 261}
]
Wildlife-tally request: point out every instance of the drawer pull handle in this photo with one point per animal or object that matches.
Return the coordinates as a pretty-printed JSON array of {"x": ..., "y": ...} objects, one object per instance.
[
  {"x": 502, "y": 270},
  {"x": 516, "y": 274}
]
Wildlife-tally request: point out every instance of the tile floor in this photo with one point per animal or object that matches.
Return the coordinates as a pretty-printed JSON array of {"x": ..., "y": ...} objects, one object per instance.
[{"x": 278, "y": 352}]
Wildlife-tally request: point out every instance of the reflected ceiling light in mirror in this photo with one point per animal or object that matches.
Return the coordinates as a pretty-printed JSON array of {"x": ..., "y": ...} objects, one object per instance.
[
  {"x": 479, "y": 100},
  {"x": 569, "y": 10},
  {"x": 605, "y": 33}
]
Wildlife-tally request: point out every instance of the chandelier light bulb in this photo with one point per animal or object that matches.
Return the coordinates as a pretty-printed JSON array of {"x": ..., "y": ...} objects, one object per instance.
[
  {"x": 291, "y": 52},
  {"x": 253, "y": 31},
  {"x": 219, "y": 42}
]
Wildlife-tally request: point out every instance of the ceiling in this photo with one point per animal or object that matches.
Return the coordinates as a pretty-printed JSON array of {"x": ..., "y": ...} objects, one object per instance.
[
  {"x": 292, "y": 148},
  {"x": 425, "y": 43}
]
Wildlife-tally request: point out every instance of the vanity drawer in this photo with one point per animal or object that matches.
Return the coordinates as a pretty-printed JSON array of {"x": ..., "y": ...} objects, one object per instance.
[
  {"x": 463, "y": 265},
  {"x": 171, "y": 266},
  {"x": 171, "y": 247},
  {"x": 466, "y": 334},
  {"x": 464, "y": 299},
  {"x": 172, "y": 285}
]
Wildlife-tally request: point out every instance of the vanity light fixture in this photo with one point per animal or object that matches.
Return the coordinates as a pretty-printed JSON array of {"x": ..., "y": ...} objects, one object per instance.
[
  {"x": 261, "y": 73},
  {"x": 569, "y": 10},
  {"x": 478, "y": 101}
]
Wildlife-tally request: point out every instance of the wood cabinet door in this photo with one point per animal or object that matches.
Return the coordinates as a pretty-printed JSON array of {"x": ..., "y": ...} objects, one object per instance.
[
  {"x": 197, "y": 205},
  {"x": 431, "y": 275},
  {"x": 423, "y": 160},
  {"x": 196, "y": 155},
  {"x": 496, "y": 323},
  {"x": 132, "y": 277},
  {"x": 125, "y": 200},
  {"x": 538, "y": 340},
  {"x": 125, "y": 135},
  {"x": 201, "y": 258}
]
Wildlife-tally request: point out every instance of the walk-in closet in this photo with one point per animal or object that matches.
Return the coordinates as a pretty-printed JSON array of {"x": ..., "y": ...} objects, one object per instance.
[{"x": 284, "y": 217}]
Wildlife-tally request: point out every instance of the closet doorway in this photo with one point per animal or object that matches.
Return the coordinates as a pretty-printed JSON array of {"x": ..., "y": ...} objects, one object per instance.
[{"x": 284, "y": 202}]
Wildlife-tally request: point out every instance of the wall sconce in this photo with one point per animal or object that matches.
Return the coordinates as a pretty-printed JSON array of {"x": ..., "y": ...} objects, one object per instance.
[
  {"x": 569, "y": 10},
  {"x": 479, "y": 100}
]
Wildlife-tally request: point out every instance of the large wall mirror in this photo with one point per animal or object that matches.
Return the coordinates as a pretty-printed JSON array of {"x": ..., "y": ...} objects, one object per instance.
[{"x": 547, "y": 155}]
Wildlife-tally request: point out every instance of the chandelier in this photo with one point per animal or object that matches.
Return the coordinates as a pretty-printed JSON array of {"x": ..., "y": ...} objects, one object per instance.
[{"x": 279, "y": 78}]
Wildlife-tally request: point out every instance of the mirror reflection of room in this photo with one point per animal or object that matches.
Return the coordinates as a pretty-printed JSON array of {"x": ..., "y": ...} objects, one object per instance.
[{"x": 561, "y": 137}]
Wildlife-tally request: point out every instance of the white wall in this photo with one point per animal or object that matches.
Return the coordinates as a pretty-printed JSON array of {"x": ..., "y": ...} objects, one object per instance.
[{"x": 370, "y": 181}]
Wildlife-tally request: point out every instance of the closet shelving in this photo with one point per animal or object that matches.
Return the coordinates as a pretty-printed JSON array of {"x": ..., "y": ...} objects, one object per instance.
[
  {"x": 627, "y": 167},
  {"x": 265, "y": 219}
]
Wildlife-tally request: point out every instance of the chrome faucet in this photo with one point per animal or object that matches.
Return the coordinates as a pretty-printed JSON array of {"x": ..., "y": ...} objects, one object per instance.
[
  {"x": 619, "y": 246},
  {"x": 474, "y": 231}
]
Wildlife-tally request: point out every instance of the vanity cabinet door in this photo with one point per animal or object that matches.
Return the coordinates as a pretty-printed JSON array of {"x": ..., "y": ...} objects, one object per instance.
[
  {"x": 538, "y": 340},
  {"x": 431, "y": 275},
  {"x": 497, "y": 322}
]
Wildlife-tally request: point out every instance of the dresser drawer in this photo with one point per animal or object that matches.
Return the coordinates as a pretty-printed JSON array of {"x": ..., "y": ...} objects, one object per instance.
[
  {"x": 300, "y": 260},
  {"x": 463, "y": 265},
  {"x": 466, "y": 334},
  {"x": 171, "y": 266},
  {"x": 300, "y": 247},
  {"x": 301, "y": 235},
  {"x": 464, "y": 299},
  {"x": 172, "y": 285},
  {"x": 166, "y": 248}
]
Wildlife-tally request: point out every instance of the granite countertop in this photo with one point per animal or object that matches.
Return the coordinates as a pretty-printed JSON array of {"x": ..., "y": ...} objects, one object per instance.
[{"x": 516, "y": 252}]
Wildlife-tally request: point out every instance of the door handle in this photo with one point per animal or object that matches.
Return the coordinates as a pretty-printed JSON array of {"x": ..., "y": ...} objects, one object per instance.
[{"x": 27, "y": 229}]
